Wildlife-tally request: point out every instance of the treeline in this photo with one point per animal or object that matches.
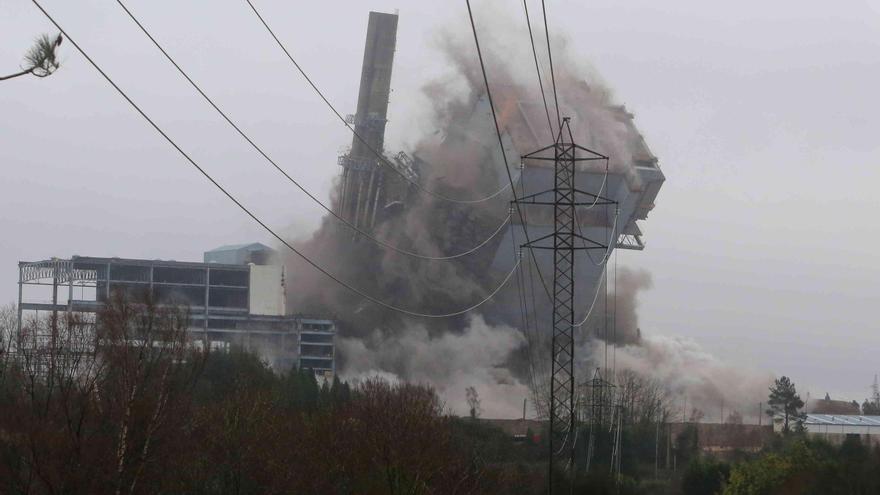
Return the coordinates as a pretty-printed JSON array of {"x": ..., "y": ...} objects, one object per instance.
[
  {"x": 127, "y": 403},
  {"x": 794, "y": 464},
  {"x": 134, "y": 407}
]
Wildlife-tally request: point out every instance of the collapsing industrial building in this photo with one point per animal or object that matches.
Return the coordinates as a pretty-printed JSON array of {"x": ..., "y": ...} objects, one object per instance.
[
  {"x": 235, "y": 298},
  {"x": 449, "y": 193}
]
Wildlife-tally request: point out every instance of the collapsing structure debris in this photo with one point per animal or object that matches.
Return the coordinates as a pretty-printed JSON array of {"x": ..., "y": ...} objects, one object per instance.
[{"x": 460, "y": 162}]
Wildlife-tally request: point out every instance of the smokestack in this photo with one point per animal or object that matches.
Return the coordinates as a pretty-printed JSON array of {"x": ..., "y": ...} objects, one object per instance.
[{"x": 363, "y": 178}]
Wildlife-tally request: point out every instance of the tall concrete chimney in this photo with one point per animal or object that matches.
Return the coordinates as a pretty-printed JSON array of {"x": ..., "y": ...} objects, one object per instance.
[{"x": 363, "y": 177}]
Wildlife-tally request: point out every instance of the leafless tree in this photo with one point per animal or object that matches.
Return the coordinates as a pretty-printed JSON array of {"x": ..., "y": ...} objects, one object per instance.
[
  {"x": 89, "y": 403},
  {"x": 49, "y": 388},
  {"x": 152, "y": 368},
  {"x": 8, "y": 327},
  {"x": 734, "y": 418},
  {"x": 473, "y": 402},
  {"x": 41, "y": 59},
  {"x": 643, "y": 399}
]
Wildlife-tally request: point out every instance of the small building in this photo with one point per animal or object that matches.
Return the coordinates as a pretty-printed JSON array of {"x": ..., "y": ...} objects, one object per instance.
[
  {"x": 230, "y": 304},
  {"x": 830, "y": 406}
]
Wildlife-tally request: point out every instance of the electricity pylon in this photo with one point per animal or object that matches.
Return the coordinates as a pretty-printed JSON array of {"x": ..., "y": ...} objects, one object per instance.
[{"x": 566, "y": 198}]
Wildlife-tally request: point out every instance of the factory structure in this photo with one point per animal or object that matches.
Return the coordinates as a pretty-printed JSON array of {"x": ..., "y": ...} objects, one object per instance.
[
  {"x": 236, "y": 297},
  {"x": 374, "y": 185},
  {"x": 377, "y": 191}
]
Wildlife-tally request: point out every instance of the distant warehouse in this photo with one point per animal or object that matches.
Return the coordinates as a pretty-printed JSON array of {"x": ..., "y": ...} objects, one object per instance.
[
  {"x": 235, "y": 298},
  {"x": 835, "y": 428}
]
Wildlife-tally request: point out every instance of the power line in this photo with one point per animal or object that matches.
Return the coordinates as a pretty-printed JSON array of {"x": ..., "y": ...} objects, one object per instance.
[
  {"x": 527, "y": 330},
  {"x": 612, "y": 239},
  {"x": 378, "y": 154},
  {"x": 251, "y": 214},
  {"x": 533, "y": 334},
  {"x": 501, "y": 143},
  {"x": 614, "y": 320},
  {"x": 595, "y": 298},
  {"x": 537, "y": 67},
  {"x": 286, "y": 175},
  {"x": 612, "y": 235},
  {"x": 550, "y": 58}
]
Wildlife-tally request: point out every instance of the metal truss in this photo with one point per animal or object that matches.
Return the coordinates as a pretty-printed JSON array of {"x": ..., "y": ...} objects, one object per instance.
[
  {"x": 565, "y": 199},
  {"x": 632, "y": 242},
  {"x": 58, "y": 270},
  {"x": 598, "y": 411}
]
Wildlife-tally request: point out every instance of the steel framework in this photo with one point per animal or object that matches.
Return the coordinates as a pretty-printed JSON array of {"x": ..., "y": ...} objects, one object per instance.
[
  {"x": 599, "y": 411},
  {"x": 565, "y": 200}
]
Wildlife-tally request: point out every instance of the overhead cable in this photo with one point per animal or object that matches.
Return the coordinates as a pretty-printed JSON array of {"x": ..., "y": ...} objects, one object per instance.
[
  {"x": 379, "y": 155},
  {"x": 253, "y": 216},
  {"x": 550, "y": 58},
  {"x": 291, "y": 179},
  {"x": 501, "y": 143},
  {"x": 592, "y": 304},
  {"x": 537, "y": 67},
  {"x": 612, "y": 238}
]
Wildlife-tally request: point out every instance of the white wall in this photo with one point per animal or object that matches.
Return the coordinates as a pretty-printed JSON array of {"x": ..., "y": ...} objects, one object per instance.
[{"x": 267, "y": 290}]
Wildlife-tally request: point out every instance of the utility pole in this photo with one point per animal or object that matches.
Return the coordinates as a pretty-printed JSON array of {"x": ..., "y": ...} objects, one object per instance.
[
  {"x": 564, "y": 200},
  {"x": 875, "y": 392},
  {"x": 657, "y": 451},
  {"x": 668, "y": 441}
]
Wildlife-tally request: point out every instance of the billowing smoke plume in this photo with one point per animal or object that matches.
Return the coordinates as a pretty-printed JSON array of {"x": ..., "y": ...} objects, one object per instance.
[
  {"x": 458, "y": 153},
  {"x": 476, "y": 356},
  {"x": 693, "y": 378},
  {"x": 629, "y": 283}
]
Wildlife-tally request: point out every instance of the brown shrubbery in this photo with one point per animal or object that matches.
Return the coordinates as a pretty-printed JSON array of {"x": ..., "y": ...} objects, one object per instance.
[{"x": 140, "y": 409}]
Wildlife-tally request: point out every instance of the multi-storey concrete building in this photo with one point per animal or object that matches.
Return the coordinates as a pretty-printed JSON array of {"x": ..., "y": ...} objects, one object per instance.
[{"x": 241, "y": 303}]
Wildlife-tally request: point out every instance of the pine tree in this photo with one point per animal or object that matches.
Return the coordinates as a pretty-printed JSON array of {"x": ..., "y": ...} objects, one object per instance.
[{"x": 784, "y": 401}]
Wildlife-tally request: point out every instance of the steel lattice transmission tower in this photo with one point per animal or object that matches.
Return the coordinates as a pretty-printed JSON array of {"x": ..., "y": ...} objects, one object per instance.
[
  {"x": 565, "y": 198},
  {"x": 598, "y": 411}
]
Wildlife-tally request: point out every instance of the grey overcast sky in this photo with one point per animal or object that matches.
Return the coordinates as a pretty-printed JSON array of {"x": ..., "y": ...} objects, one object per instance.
[{"x": 764, "y": 116}]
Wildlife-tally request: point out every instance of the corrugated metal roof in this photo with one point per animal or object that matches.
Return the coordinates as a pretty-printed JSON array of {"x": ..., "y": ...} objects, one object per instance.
[
  {"x": 842, "y": 420},
  {"x": 235, "y": 247}
]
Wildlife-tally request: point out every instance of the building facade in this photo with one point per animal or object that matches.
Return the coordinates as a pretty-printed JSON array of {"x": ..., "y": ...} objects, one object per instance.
[{"x": 230, "y": 305}]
